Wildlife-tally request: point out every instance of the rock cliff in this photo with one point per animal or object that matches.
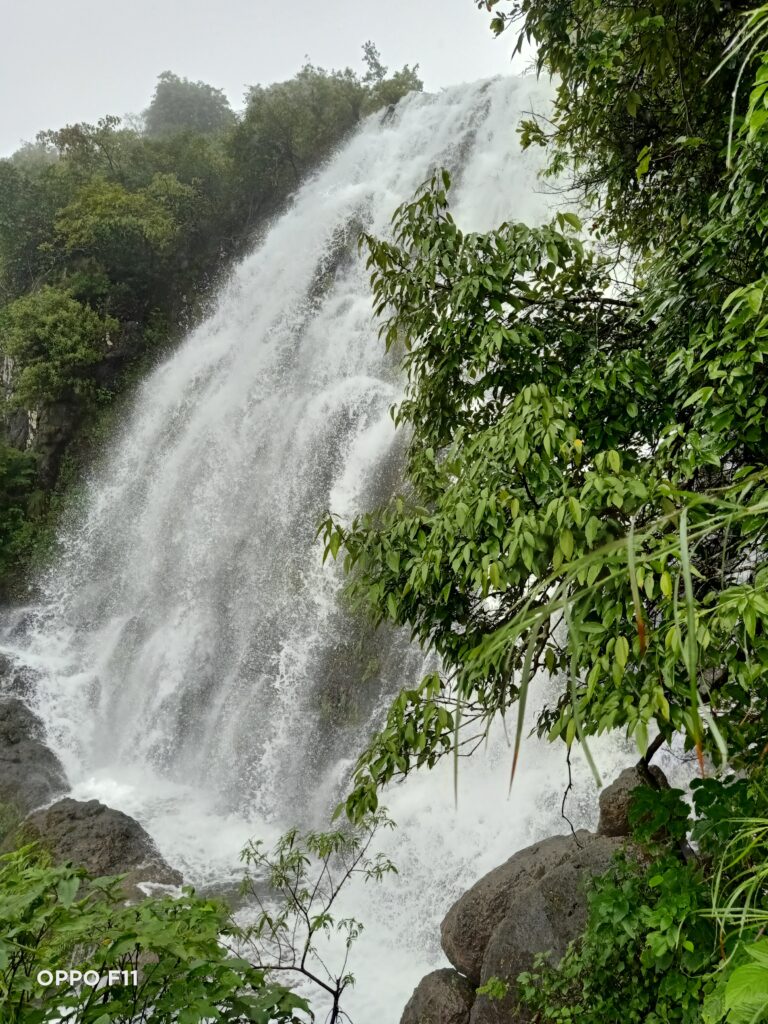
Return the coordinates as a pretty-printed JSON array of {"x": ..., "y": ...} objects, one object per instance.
[{"x": 535, "y": 903}]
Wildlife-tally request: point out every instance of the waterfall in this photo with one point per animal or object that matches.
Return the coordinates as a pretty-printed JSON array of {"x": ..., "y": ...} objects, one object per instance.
[{"x": 196, "y": 666}]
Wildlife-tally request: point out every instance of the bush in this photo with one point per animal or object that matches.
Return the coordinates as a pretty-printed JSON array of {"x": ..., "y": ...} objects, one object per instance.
[
  {"x": 54, "y": 341},
  {"x": 57, "y": 918}
]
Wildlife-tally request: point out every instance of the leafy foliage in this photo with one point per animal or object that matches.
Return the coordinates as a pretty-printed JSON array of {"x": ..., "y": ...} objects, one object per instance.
[
  {"x": 180, "y": 105},
  {"x": 305, "y": 874},
  {"x": 641, "y": 957},
  {"x": 587, "y": 460},
  {"x": 181, "y": 960},
  {"x": 56, "y": 918},
  {"x": 55, "y": 340},
  {"x": 654, "y": 950},
  {"x": 289, "y": 127},
  {"x": 632, "y": 123}
]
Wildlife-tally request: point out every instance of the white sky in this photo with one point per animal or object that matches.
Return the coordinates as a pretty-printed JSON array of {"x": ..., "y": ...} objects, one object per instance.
[{"x": 75, "y": 60}]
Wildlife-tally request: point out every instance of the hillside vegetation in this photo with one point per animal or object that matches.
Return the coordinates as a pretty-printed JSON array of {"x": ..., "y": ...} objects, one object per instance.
[{"x": 112, "y": 238}]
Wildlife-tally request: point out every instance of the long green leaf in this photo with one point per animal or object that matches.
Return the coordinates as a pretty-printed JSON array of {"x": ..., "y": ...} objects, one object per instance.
[
  {"x": 523, "y": 698},
  {"x": 574, "y": 701},
  {"x": 691, "y": 643}
]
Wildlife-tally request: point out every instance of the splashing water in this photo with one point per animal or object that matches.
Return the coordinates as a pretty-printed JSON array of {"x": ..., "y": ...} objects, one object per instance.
[{"x": 196, "y": 668}]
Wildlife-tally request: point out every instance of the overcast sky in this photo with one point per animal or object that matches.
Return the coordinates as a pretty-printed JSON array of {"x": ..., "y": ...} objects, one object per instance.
[{"x": 74, "y": 60}]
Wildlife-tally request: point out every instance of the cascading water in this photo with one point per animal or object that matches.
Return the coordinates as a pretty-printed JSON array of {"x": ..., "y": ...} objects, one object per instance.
[{"x": 196, "y": 668}]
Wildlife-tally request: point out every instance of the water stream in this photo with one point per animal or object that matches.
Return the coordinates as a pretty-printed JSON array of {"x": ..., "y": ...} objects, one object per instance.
[{"x": 197, "y": 668}]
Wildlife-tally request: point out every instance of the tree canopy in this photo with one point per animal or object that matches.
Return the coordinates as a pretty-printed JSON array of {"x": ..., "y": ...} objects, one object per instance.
[
  {"x": 587, "y": 458},
  {"x": 180, "y": 105}
]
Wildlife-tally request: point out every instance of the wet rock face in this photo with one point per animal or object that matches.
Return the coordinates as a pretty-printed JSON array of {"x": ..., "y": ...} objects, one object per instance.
[
  {"x": 102, "y": 840},
  {"x": 542, "y": 917},
  {"x": 442, "y": 997},
  {"x": 30, "y": 774},
  {"x": 534, "y": 904},
  {"x": 616, "y": 798},
  {"x": 469, "y": 924},
  {"x": 16, "y": 680},
  {"x": 54, "y": 427}
]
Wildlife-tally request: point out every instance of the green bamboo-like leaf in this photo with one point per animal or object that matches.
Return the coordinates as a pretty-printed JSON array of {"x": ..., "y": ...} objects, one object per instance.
[
  {"x": 691, "y": 643},
  {"x": 575, "y": 704},
  {"x": 632, "y": 566},
  {"x": 523, "y": 694}
]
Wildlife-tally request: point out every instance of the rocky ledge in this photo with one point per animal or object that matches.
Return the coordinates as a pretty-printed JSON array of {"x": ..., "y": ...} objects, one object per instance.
[
  {"x": 84, "y": 833},
  {"x": 533, "y": 904},
  {"x": 30, "y": 774},
  {"x": 102, "y": 840}
]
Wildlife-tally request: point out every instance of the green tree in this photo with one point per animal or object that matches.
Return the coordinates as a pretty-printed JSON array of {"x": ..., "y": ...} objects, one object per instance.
[
  {"x": 587, "y": 459},
  {"x": 375, "y": 70},
  {"x": 53, "y": 341},
  {"x": 632, "y": 102},
  {"x": 88, "y": 150},
  {"x": 287, "y": 129},
  {"x": 29, "y": 199},
  {"x": 127, "y": 235},
  {"x": 179, "y": 105},
  {"x": 306, "y": 874}
]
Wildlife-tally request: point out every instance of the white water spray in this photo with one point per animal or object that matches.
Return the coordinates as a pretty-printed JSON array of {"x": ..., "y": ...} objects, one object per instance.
[{"x": 194, "y": 660}]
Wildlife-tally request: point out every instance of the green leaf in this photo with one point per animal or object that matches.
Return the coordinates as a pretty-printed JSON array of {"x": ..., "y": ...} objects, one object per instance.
[
  {"x": 67, "y": 890},
  {"x": 592, "y": 529},
  {"x": 565, "y": 541},
  {"x": 643, "y": 162},
  {"x": 758, "y": 951},
  {"x": 746, "y": 993},
  {"x": 699, "y": 397},
  {"x": 755, "y": 299}
]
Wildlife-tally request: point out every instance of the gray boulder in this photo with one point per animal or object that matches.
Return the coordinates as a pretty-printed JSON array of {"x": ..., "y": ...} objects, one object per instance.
[
  {"x": 30, "y": 774},
  {"x": 442, "y": 997},
  {"x": 467, "y": 927},
  {"x": 542, "y": 917},
  {"x": 616, "y": 798},
  {"x": 102, "y": 840}
]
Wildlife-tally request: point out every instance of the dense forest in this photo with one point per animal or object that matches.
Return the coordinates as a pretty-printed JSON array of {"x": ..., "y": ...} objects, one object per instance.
[
  {"x": 586, "y": 489},
  {"x": 113, "y": 238}
]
